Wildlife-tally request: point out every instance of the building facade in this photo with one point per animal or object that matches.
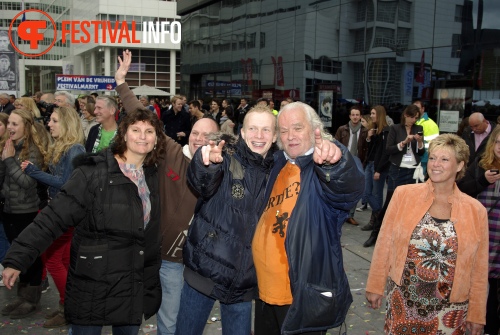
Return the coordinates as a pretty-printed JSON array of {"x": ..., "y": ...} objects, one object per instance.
[
  {"x": 373, "y": 51},
  {"x": 154, "y": 64}
]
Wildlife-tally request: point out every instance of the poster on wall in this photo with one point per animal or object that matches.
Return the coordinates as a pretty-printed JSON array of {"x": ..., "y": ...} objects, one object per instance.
[
  {"x": 325, "y": 100},
  {"x": 451, "y": 106},
  {"x": 9, "y": 65}
]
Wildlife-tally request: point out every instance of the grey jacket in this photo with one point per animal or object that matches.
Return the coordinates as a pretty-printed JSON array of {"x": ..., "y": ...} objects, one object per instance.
[{"x": 19, "y": 189}]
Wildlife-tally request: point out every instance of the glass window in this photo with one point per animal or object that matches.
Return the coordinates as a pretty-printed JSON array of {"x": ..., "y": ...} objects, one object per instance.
[
  {"x": 361, "y": 12},
  {"x": 458, "y": 13},
  {"x": 386, "y": 11},
  {"x": 456, "y": 46},
  {"x": 384, "y": 37},
  {"x": 359, "y": 40},
  {"x": 404, "y": 12}
]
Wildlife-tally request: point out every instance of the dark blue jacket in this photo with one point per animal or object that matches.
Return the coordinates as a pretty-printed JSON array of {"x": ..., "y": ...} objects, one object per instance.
[
  {"x": 217, "y": 254},
  {"x": 312, "y": 242}
]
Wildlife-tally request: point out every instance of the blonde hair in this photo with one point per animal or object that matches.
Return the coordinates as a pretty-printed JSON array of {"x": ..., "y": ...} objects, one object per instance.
[
  {"x": 456, "y": 145},
  {"x": 70, "y": 133},
  {"x": 30, "y": 104},
  {"x": 34, "y": 134},
  {"x": 368, "y": 120},
  {"x": 263, "y": 110},
  {"x": 4, "y": 118},
  {"x": 488, "y": 159}
]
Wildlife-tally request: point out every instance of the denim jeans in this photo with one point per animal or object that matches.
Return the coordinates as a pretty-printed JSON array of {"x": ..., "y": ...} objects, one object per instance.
[
  {"x": 96, "y": 330},
  {"x": 172, "y": 279},
  {"x": 374, "y": 189},
  {"x": 236, "y": 319},
  {"x": 4, "y": 242},
  {"x": 399, "y": 176}
]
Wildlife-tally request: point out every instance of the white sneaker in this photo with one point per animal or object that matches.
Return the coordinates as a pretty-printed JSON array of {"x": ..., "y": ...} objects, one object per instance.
[{"x": 362, "y": 208}]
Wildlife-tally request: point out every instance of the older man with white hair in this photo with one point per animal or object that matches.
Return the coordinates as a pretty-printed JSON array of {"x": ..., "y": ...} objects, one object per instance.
[
  {"x": 5, "y": 105},
  {"x": 314, "y": 183},
  {"x": 64, "y": 99}
]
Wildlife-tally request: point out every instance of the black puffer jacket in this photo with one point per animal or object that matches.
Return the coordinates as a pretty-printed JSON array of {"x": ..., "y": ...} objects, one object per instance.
[
  {"x": 217, "y": 252},
  {"x": 113, "y": 277},
  {"x": 19, "y": 189}
]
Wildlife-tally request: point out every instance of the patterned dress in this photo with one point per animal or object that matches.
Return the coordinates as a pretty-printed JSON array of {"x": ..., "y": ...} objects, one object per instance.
[{"x": 421, "y": 304}]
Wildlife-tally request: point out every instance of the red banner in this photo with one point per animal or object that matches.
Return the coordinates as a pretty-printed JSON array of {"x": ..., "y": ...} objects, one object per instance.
[
  {"x": 247, "y": 70},
  {"x": 421, "y": 73},
  {"x": 279, "y": 79}
]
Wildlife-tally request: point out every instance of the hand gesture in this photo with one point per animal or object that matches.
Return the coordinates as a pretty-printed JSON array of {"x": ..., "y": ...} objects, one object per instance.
[
  {"x": 491, "y": 177},
  {"x": 474, "y": 328},
  {"x": 212, "y": 153},
  {"x": 374, "y": 299},
  {"x": 8, "y": 150},
  {"x": 122, "y": 71},
  {"x": 9, "y": 276},
  {"x": 25, "y": 164},
  {"x": 376, "y": 176},
  {"x": 325, "y": 152},
  {"x": 371, "y": 132}
]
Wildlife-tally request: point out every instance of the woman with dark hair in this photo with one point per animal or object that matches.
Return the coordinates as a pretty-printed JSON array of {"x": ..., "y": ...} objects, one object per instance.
[
  {"x": 227, "y": 120},
  {"x": 112, "y": 201},
  {"x": 405, "y": 146},
  {"x": 216, "y": 110},
  {"x": 377, "y": 164}
]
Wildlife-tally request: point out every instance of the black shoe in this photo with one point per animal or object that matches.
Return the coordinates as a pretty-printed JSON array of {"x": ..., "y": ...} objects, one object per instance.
[
  {"x": 367, "y": 227},
  {"x": 370, "y": 242},
  {"x": 45, "y": 285}
]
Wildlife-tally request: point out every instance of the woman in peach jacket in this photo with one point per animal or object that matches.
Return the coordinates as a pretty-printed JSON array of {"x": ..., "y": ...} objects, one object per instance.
[{"x": 432, "y": 252}]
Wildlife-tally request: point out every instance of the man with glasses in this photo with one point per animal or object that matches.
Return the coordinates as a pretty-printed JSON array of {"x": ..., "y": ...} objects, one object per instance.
[
  {"x": 64, "y": 99},
  {"x": 101, "y": 135}
]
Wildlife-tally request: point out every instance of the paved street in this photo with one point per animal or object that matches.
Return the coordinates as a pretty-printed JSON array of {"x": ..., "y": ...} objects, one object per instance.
[{"x": 361, "y": 320}]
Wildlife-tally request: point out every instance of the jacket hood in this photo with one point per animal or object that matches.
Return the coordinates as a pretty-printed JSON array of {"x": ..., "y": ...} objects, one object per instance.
[{"x": 87, "y": 159}]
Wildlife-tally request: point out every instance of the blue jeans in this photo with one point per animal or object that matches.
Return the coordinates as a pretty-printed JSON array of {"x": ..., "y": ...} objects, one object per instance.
[
  {"x": 172, "y": 279},
  {"x": 399, "y": 176},
  {"x": 195, "y": 309},
  {"x": 374, "y": 189},
  {"x": 96, "y": 330},
  {"x": 4, "y": 242}
]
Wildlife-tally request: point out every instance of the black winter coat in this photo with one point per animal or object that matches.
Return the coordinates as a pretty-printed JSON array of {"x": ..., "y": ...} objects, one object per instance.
[
  {"x": 113, "y": 277},
  {"x": 474, "y": 181},
  {"x": 312, "y": 242},
  {"x": 218, "y": 249}
]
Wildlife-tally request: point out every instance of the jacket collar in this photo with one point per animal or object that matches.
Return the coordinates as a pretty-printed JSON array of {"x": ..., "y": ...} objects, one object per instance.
[{"x": 253, "y": 158}]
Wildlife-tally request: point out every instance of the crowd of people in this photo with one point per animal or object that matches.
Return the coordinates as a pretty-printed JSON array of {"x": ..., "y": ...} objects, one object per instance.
[{"x": 138, "y": 207}]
